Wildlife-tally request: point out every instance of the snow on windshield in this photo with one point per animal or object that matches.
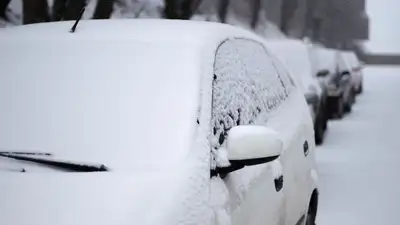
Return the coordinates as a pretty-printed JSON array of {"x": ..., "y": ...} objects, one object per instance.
[{"x": 117, "y": 103}]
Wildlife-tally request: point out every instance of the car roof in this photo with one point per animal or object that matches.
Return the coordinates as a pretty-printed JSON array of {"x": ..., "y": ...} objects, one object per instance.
[{"x": 150, "y": 30}]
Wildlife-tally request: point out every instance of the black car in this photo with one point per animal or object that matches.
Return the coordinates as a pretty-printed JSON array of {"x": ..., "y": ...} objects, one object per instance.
[
  {"x": 335, "y": 76},
  {"x": 341, "y": 94}
]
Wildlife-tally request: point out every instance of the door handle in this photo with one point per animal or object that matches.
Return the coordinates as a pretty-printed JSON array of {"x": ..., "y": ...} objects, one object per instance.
[
  {"x": 278, "y": 183},
  {"x": 305, "y": 148}
]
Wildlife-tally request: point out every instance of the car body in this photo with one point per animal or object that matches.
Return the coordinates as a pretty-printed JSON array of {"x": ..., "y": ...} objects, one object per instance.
[
  {"x": 295, "y": 55},
  {"x": 333, "y": 73},
  {"x": 355, "y": 67},
  {"x": 160, "y": 122}
]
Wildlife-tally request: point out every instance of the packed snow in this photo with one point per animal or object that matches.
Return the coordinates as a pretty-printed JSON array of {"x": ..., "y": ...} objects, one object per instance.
[{"x": 359, "y": 162}]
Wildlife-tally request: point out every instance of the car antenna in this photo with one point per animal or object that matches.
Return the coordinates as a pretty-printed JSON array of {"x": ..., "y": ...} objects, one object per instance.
[{"x": 77, "y": 20}]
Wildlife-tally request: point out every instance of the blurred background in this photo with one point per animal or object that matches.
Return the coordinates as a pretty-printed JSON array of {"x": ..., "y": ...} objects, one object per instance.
[{"x": 356, "y": 25}]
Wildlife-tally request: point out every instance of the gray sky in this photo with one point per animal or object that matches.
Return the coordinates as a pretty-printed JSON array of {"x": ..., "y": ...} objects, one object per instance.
[{"x": 384, "y": 25}]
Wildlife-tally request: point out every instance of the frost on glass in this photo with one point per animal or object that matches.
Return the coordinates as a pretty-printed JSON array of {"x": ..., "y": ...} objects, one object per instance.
[{"x": 246, "y": 87}]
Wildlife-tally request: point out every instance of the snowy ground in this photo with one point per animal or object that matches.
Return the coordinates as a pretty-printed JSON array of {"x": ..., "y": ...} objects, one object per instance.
[{"x": 360, "y": 162}]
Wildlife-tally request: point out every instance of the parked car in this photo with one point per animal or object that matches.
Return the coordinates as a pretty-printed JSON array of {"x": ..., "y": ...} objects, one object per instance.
[
  {"x": 161, "y": 122},
  {"x": 334, "y": 73},
  {"x": 355, "y": 66},
  {"x": 295, "y": 55}
]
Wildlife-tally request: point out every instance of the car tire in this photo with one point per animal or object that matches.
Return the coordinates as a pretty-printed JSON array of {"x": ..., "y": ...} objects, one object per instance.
[
  {"x": 311, "y": 215},
  {"x": 353, "y": 96},
  {"x": 325, "y": 122},
  {"x": 310, "y": 218},
  {"x": 348, "y": 105},
  {"x": 325, "y": 116},
  {"x": 319, "y": 131},
  {"x": 360, "y": 89},
  {"x": 340, "y": 108}
]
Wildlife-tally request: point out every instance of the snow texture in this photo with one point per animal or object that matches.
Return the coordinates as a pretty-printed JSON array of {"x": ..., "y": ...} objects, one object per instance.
[
  {"x": 75, "y": 130},
  {"x": 142, "y": 154},
  {"x": 235, "y": 87},
  {"x": 220, "y": 201},
  {"x": 246, "y": 87},
  {"x": 359, "y": 162}
]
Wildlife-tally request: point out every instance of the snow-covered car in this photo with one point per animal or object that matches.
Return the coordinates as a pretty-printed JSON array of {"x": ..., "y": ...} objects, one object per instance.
[
  {"x": 334, "y": 74},
  {"x": 356, "y": 72},
  {"x": 151, "y": 122},
  {"x": 295, "y": 55}
]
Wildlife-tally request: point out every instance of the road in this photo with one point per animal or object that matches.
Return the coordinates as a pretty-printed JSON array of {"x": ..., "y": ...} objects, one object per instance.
[{"x": 359, "y": 164}]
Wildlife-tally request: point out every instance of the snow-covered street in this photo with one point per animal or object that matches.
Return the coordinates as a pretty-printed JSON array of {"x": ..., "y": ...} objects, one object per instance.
[{"x": 359, "y": 163}]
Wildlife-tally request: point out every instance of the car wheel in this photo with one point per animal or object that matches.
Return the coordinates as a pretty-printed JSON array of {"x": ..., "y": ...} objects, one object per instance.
[
  {"x": 325, "y": 122},
  {"x": 340, "y": 108},
  {"x": 319, "y": 130},
  {"x": 360, "y": 89},
  {"x": 349, "y": 103},
  {"x": 311, "y": 215},
  {"x": 310, "y": 219},
  {"x": 347, "y": 107},
  {"x": 325, "y": 116},
  {"x": 353, "y": 96}
]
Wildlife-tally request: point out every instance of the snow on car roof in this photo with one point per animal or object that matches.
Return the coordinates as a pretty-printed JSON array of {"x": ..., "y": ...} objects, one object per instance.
[{"x": 112, "y": 91}]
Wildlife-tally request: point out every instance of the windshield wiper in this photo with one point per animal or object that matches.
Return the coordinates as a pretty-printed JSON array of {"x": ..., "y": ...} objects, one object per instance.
[
  {"x": 69, "y": 166},
  {"x": 26, "y": 153}
]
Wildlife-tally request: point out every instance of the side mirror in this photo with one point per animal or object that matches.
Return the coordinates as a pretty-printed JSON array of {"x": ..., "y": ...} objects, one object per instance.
[
  {"x": 345, "y": 76},
  {"x": 252, "y": 144},
  {"x": 311, "y": 98},
  {"x": 345, "y": 73},
  {"x": 249, "y": 145},
  {"x": 322, "y": 73}
]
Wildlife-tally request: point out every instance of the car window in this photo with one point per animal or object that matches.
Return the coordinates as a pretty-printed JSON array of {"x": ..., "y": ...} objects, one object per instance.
[
  {"x": 284, "y": 75},
  {"x": 246, "y": 87}
]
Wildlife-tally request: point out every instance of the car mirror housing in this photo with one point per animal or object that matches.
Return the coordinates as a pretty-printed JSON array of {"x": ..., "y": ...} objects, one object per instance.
[
  {"x": 345, "y": 73},
  {"x": 322, "y": 73},
  {"x": 249, "y": 145}
]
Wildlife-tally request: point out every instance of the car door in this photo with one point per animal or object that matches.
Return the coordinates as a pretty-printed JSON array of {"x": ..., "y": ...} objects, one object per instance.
[
  {"x": 246, "y": 89},
  {"x": 298, "y": 131}
]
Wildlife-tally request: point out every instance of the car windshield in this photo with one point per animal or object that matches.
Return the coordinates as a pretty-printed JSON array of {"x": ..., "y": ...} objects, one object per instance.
[{"x": 124, "y": 104}]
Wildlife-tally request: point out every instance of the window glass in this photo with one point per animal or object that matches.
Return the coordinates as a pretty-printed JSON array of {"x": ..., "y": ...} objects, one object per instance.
[{"x": 246, "y": 87}]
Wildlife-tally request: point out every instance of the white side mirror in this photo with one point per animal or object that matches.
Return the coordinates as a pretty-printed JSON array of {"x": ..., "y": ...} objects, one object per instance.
[{"x": 252, "y": 144}]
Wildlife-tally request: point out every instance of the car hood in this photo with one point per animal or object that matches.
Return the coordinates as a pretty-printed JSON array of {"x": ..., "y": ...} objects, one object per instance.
[{"x": 89, "y": 198}]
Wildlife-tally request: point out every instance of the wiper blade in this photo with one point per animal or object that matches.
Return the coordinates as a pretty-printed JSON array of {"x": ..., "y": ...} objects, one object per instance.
[
  {"x": 26, "y": 153},
  {"x": 69, "y": 166}
]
